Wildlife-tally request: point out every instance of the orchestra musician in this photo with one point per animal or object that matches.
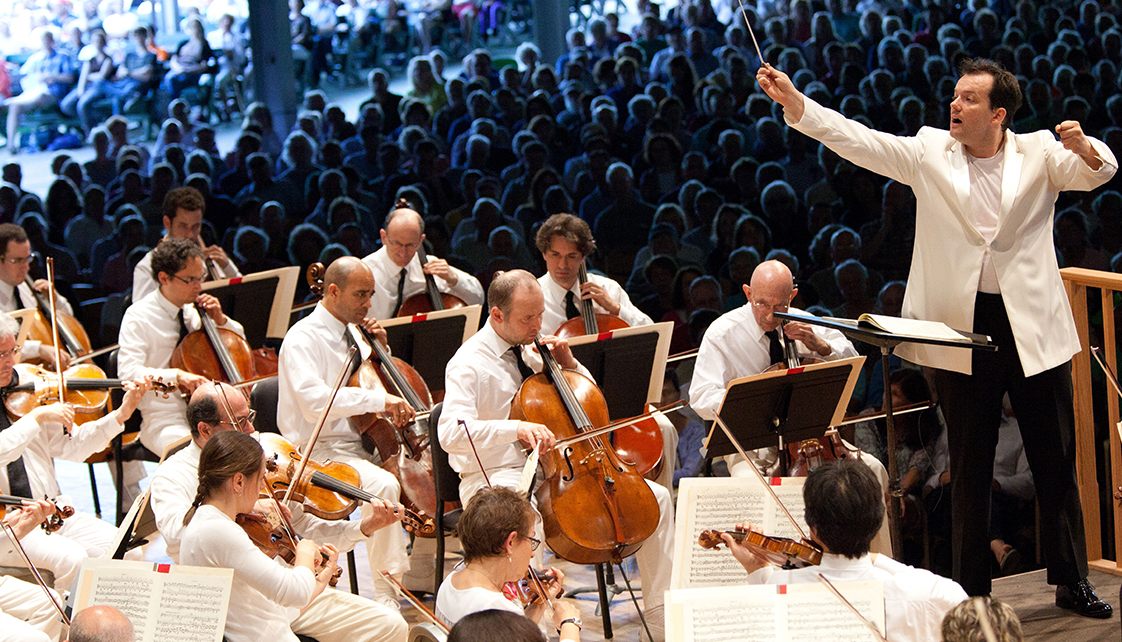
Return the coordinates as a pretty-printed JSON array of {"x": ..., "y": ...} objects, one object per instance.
[
  {"x": 15, "y": 294},
  {"x": 28, "y": 447},
  {"x": 845, "y": 510},
  {"x": 565, "y": 241},
  {"x": 311, "y": 357},
  {"x": 26, "y": 613},
  {"x": 154, "y": 325},
  {"x": 985, "y": 262},
  {"x": 183, "y": 219},
  {"x": 334, "y": 615},
  {"x": 398, "y": 269},
  {"x": 745, "y": 342},
  {"x": 498, "y": 537},
  {"x": 481, "y": 381}
]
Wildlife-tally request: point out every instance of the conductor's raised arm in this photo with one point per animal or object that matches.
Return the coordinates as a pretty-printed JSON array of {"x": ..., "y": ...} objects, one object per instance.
[{"x": 778, "y": 86}]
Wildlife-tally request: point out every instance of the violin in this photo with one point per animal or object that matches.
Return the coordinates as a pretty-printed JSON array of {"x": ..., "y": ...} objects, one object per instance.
[
  {"x": 528, "y": 590},
  {"x": 404, "y": 451},
  {"x": 54, "y": 520},
  {"x": 590, "y": 321},
  {"x": 275, "y": 541},
  {"x": 781, "y": 551},
  {"x": 87, "y": 390},
  {"x": 72, "y": 335},
  {"x": 215, "y": 353},
  {"x": 328, "y": 490},
  {"x": 595, "y": 507}
]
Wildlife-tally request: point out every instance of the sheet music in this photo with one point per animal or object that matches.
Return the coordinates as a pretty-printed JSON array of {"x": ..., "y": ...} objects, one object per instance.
[
  {"x": 719, "y": 503},
  {"x": 770, "y": 613},
  {"x": 179, "y": 604}
]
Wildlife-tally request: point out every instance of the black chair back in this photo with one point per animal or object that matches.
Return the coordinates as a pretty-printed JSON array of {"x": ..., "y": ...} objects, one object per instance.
[
  {"x": 445, "y": 480},
  {"x": 263, "y": 399}
]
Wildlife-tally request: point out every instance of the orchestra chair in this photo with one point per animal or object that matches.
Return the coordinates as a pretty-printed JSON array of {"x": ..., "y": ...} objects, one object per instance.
[
  {"x": 263, "y": 400},
  {"x": 446, "y": 482},
  {"x": 122, "y": 452}
]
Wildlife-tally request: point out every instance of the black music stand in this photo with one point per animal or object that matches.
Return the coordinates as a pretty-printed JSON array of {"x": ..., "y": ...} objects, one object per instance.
[
  {"x": 775, "y": 408},
  {"x": 428, "y": 341},
  {"x": 886, "y": 341},
  {"x": 260, "y": 302}
]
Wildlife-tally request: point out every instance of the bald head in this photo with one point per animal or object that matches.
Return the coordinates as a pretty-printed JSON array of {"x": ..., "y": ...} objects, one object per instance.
[
  {"x": 340, "y": 271},
  {"x": 215, "y": 407},
  {"x": 771, "y": 290},
  {"x": 404, "y": 216},
  {"x": 772, "y": 274},
  {"x": 505, "y": 286},
  {"x": 101, "y": 624},
  {"x": 402, "y": 234},
  {"x": 517, "y": 305},
  {"x": 348, "y": 285}
]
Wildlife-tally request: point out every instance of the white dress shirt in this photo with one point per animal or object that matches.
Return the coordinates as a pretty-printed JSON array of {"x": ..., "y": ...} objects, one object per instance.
[
  {"x": 143, "y": 281},
  {"x": 311, "y": 357},
  {"x": 479, "y": 385},
  {"x": 269, "y": 594},
  {"x": 148, "y": 337},
  {"x": 735, "y": 346},
  {"x": 915, "y": 600},
  {"x": 387, "y": 274},
  {"x": 26, "y": 300},
  {"x": 555, "y": 302},
  {"x": 177, "y": 481},
  {"x": 39, "y": 444},
  {"x": 453, "y": 604}
]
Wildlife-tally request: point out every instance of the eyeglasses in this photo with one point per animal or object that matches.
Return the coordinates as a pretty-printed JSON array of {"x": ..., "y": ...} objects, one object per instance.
[
  {"x": 403, "y": 246},
  {"x": 190, "y": 281},
  {"x": 13, "y": 353},
  {"x": 18, "y": 260},
  {"x": 764, "y": 307},
  {"x": 534, "y": 542},
  {"x": 242, "y": 422}
]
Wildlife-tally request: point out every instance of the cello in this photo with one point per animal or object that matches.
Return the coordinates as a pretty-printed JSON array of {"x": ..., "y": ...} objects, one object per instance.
[
  {"x": 595, "y": 507},
  {"x": 215, "y": 353},
  {"x": 404, "y": 451},
  {"x": 71, "y": 334},
  {"x": 432, "y": 299},
  {"x": 590, "y": 321}
]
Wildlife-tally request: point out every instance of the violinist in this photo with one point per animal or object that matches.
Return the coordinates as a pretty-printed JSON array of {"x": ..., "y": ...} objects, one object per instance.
[
  {"x": 271, "y": 599},
  {"x": 26, "y": 614},
  {"x": 480, "y": 383},
  {"x": 173, "y": 488},
  {"x": 183, "y": 219},
  {"x": 28, "y": 447},
  {"x": 497, "y": 534},
  {"x": 311, "y": 357},
  {"x": 565, "y": 241},
  {"x": 845, "y": 509},
  {"x": 15, "y": 293},
  {"x": 154, "y": 325},
  {"x": 397, "y": 267}
]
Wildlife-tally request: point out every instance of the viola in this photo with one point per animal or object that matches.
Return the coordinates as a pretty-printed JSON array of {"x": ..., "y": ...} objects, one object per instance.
[
  {"x": 328, "y": 490},
  {"x": 781, "y": 551},
  {"x": 54, "y": 520},
  {"x": 528, "y": 590},
  {"x": 72, "y": 335},
  {"x": 590, "y": 321},
  {"x": 87, "y": 389},
  {"x": 595, "y": 507},
  {"x": 432, "y": 299},
  {"x": 275, "y": 541},
  {"x": 215, "y": 353}
]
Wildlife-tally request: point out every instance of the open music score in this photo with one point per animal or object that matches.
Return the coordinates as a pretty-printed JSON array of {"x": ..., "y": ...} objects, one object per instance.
[
  {"x": 166, "y": 603},
  {"x": 719, "y": 503}
]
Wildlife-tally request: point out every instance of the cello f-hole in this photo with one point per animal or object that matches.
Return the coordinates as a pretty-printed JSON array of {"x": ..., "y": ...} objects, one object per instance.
[{"x": 568, "y": 464}]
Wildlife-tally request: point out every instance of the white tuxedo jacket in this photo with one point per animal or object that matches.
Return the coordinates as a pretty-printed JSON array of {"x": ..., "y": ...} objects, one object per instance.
[{"x": 947, "y": 259}]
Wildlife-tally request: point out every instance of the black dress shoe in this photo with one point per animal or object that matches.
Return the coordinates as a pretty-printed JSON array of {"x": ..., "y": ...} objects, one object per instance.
[{"x": 1080, "y": 597}]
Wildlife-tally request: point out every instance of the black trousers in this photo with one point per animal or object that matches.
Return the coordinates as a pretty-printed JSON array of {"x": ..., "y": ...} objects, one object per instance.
[{"x": 1043, "y": 406}]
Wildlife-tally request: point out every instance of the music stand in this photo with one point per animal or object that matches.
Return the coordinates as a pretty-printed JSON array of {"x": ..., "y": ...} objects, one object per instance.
[
  {"x": 428, "y": 341},
  {"x": 261, "y": 302},
  {"x": 774, "y": 408},
  {"x": 638, "y": 350},
  {"x": 886, "y": 341}
]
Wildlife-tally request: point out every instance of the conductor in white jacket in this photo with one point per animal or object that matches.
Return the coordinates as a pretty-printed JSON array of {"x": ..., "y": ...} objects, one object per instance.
[{"x": 984, "y": 262}]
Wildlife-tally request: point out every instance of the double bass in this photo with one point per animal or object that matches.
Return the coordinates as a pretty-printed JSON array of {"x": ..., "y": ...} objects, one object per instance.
[{"x": 595, "y": 507}]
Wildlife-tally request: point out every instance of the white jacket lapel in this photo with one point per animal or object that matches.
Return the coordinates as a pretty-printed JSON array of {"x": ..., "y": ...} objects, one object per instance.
[{"x": 960, "y": 178}]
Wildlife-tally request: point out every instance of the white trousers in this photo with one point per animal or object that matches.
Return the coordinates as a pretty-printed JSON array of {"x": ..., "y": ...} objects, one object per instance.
[
  {"x": 62, "y": 552},
  {"x": 654, "y": 558},
  {"x": 338, "y": 616},
  {"x": 26, "y": 615}
]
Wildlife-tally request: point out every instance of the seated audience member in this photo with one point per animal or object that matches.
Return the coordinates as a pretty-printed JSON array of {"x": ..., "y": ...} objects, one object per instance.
[
  {"x": 130, "y": 79},
  {"x": 191, "y": 60},
  {"x": 47, "y": 77}
]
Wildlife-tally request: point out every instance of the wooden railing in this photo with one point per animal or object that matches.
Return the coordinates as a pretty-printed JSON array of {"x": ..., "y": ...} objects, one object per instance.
[{"x": 1076, "y": 281}]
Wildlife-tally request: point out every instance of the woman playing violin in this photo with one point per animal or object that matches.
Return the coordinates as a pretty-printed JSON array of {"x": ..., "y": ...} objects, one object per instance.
[
  {"x": 272, "y": 599},
  {"x": 497, "y": 535},
  {"x": 217, "y": 408},
  {"x": 844, "y": 509}
]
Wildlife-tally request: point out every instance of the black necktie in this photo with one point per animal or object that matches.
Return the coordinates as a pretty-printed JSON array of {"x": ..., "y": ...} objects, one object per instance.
[
  {"x": 18, "y": 483},
  {"x": 775, "y": 348},
  {"x": 523, "y": 369},
  {"x": 400, "y": 291},
  {"x": 182, "y": 324},
  {"x": 571, "y": 311},
  {"x": 356, "y": 360},
  {"x": 18, "y": 298}
]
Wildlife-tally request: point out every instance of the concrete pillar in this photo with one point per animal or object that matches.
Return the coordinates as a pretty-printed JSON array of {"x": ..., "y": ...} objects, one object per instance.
[
  {"x": 169, "y": 12},
  {"x": 551, "y": 22},
  {"x": 274, "y": 76}
]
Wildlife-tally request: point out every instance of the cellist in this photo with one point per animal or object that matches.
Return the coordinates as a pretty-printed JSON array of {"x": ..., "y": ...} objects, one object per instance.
[
  {"x": 311, "y": 356},
  {"x": 15, "y": 294},
  {"x": 565, "y": 241},
  {"x": 333, "y": 616},
  {"x": 481, "y": 381},
  {"x": 398, "y": 270}
]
